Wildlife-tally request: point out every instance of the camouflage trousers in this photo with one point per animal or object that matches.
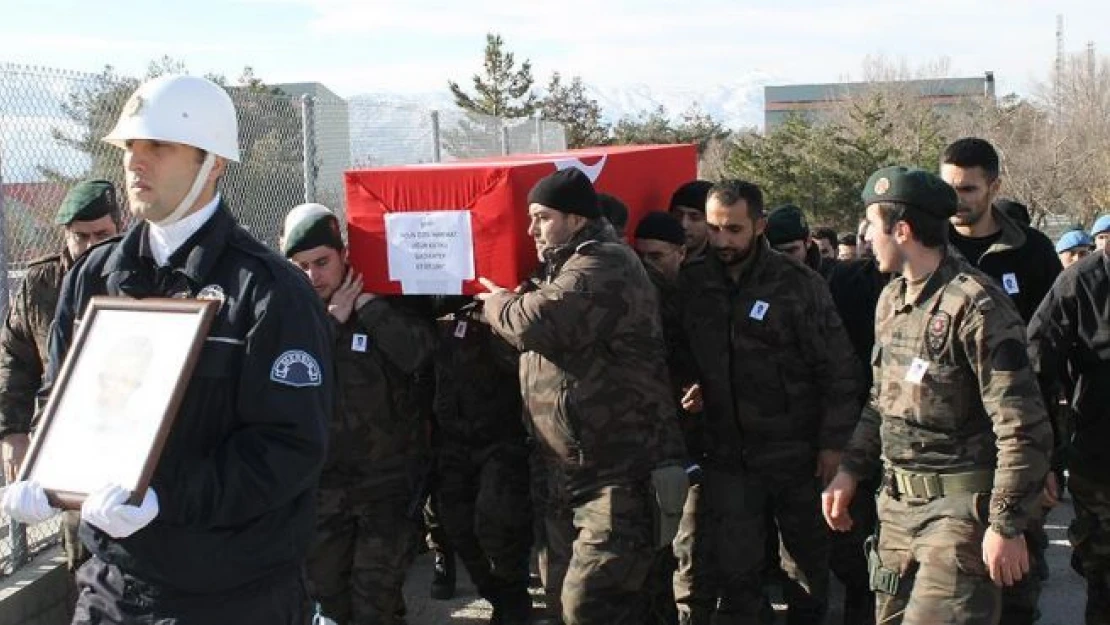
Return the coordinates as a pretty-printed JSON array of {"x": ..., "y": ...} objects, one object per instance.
[
  {"x": 936, "y": 549},
  {"x": 613, "y": 554},
  {"x": 361, "y": 553},
  {"x": 553, "y": 530},
  {"x": 483, "y": 505},
  {"x": 721, "y": 551},
  {"x": 1090, "y": 540}
]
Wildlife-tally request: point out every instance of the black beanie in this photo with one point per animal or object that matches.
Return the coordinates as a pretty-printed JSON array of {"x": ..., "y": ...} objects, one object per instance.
[
  {"x": 614, "y": 210},
  {"x": 661, "y": 226},
  {"x": 785, "y": 224},
  {"x": 693, "y": 194},
  {"x": 567, "y": 191}
]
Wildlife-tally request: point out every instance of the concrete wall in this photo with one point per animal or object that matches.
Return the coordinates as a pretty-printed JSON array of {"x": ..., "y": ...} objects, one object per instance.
[{"x": 38, "y": 593}]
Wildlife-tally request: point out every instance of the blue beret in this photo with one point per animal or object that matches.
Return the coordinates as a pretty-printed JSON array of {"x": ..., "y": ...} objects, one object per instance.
[
  {"x": 1102, "y": 224},
  {"x": 1073, "y": 239}
]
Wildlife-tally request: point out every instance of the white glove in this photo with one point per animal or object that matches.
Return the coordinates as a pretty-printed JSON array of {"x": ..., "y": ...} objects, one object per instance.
[
  {"x": 106, "y": 509},
  {"x": 26, "y": 502}
]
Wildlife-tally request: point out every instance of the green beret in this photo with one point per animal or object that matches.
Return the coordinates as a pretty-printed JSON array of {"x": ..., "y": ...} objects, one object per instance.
[
  {"x": 308, "y": 226},
  {"x": 88, "y": 201},
  {"x": 785, "y": 224},
  {"x": 915, "y": 187}
]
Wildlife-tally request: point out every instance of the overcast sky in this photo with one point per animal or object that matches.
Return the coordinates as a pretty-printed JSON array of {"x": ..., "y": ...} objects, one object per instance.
[{"x": 358, "y": 46}]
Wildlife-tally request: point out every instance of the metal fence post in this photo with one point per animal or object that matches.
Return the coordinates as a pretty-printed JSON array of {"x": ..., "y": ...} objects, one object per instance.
[
  {"x": 437, "y": 156},
  {"x": 308, "y": 131},
  {"x": 4, "y": 261},
  {"x": 539, "y": 134},
  {"x": 504, "y": 139}
]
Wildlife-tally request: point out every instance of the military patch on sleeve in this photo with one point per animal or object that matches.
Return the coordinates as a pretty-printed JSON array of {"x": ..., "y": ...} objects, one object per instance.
[
  {"x": 1010, "y": 355},
  {"x": 936, "y": 336},
  {"x": 296, "y": 368}
]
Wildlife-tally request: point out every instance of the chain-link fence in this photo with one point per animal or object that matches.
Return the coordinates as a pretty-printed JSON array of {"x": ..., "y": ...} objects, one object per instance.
[{"x": 296, "y": 140}]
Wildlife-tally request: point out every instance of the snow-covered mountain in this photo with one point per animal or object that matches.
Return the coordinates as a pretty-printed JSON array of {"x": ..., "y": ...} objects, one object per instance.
[{"x": 737, "y": 105}]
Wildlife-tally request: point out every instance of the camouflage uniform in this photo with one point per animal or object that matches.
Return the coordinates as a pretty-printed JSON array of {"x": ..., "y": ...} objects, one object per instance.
[
  {"x": 590, "y": 370},
  {"x": 378, "y": 458},
  {"x": 965, "y": 441},
  {"x": 1069, "y": 345},
  {"x": 768, "y": 352},
  {"x": 23, "y": 354},
  {"x": 482, "y": 494}
]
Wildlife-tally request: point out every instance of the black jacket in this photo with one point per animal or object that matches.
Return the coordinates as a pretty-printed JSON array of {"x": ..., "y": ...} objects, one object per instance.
[
  {"x": 855, "y": 286},
  {"x": 1069, "y": 346},
  {"x": 237, "y": 477},
  {"x": 1022, "y": 254}
]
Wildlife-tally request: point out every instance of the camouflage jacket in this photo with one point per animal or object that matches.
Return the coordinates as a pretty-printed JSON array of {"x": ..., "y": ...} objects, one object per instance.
[
  {"x": 954, "y": 392},
  {"x": 592, "y": 368},
  {"x": 23, "y": 341},
  {"x": 770, "y": 355},
  {"x": 381, "y": 426},
  {"x": 477, "y": 395}
]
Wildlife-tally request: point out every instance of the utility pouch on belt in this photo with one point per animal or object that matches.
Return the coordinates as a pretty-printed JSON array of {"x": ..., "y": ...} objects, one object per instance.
[
  {"x": 882, "y": 579},
  {"x": 669, "y": 485}
]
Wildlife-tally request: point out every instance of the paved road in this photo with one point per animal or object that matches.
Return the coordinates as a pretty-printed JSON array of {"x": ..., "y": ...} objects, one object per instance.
[{"x": 1061, "y": 604}]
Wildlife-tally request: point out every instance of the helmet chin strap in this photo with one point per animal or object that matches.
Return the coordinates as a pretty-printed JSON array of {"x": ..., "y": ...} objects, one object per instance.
[{"x": 191, "y": 196}]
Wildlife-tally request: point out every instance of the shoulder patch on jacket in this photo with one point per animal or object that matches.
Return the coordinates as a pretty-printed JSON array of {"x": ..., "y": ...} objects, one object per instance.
[
  {"x": 979, "y": 294},
  {"x": 296, "y": 368}
]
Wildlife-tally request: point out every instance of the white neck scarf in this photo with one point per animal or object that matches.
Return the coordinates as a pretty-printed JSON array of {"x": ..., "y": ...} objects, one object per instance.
[{"x": 165, "y": 239}]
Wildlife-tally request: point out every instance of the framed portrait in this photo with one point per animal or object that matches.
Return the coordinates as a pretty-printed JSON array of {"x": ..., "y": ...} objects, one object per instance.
[{"x": 116, "y": 396}]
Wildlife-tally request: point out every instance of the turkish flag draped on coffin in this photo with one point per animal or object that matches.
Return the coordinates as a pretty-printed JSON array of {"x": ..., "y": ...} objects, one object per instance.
[{"x": 435, "y": 228}]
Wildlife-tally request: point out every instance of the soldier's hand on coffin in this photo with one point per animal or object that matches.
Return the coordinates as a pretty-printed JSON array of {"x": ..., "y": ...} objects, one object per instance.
[
  {"x": 489, "y": 286},
  {"x": 26, "y": 502}
]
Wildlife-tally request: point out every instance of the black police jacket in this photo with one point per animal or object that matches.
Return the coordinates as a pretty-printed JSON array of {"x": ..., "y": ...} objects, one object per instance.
[
  {"x": 1022, "y": 260},
  {"x": 237, "y": 478},
  {"x": 1069, "y": 347}
]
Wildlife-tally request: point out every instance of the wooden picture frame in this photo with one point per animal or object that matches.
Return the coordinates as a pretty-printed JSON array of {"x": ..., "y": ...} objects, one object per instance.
[{"x": 113, "y": 403}]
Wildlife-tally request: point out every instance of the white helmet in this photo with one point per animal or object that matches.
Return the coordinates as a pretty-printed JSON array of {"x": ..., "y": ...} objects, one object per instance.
[{"x": 180, "y": 109}]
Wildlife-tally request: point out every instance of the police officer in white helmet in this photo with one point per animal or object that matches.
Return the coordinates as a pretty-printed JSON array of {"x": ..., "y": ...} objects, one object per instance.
[{"x": 223, "y": 531}]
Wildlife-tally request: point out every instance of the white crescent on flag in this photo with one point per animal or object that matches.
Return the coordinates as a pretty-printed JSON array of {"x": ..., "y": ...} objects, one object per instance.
[{"x": 593, "y": 172}]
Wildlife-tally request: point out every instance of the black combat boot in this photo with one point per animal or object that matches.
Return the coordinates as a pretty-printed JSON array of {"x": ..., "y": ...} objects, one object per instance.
[{"x": 443, "y": 580}]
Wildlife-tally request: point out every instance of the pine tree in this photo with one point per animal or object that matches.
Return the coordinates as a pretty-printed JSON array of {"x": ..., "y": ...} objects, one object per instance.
[
  {"x": 501, "y": 90},
  {"x": 580, "y": 114}
]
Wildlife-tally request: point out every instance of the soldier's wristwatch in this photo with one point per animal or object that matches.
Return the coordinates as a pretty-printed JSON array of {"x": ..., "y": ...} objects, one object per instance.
[{"x": 1005, "y": 531}]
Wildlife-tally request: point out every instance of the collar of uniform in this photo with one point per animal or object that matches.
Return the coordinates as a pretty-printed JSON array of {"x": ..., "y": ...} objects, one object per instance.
[
  {"x": 949, "y": 266},
  {"x": 195, "y": 257},
  {"x": 596, "y": 230},
  {"x": 752, "y": 265},
  {"x": 1012, "y": 234},
  {"x": 165, "y": 240}
]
